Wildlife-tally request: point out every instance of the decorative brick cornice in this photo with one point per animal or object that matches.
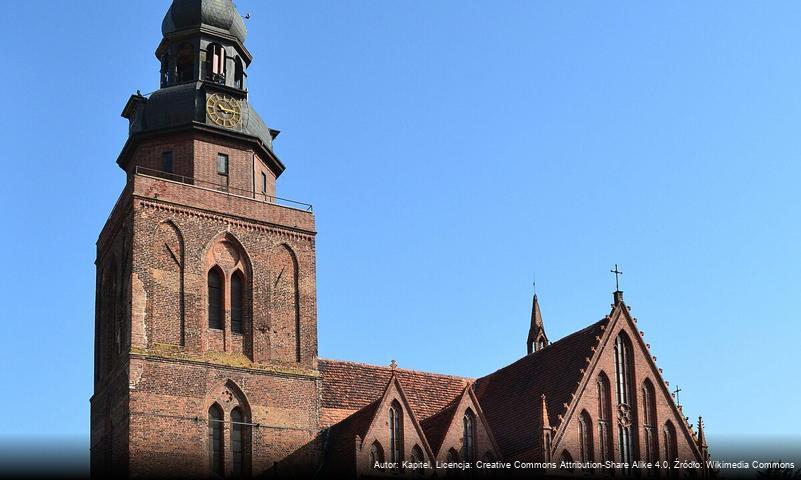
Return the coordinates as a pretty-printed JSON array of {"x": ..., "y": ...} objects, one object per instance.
[
  {"x": 217, "y": 362},
  {"x": 286, "y": 232}
]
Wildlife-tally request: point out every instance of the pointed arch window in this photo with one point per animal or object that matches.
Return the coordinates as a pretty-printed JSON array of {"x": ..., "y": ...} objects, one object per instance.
[
  {"x": 625, "y": 401},
  {"x": 216, "y": 452},
  {"x": 376, "y": 455},
  {"x": 417, "y": 459},
  {"x": 215, "y": 300},
  {"x": 469, "y": 436},
  {"x": 185, "y": 63},
  {"x": 395, "y": 433},
  {"x": 623, "y": 369},
  {"x": 649, "y": 421},
  {"x": 568, "y": 460},
  {"x": 585, "y": 437},
  {"x": 671, "y": 447},
  {"x": 237, "y": 301},
  {"x": 604, "y": 417},
  {"x": 237, "y": 441},
  {"x": 451, "y": 458}
]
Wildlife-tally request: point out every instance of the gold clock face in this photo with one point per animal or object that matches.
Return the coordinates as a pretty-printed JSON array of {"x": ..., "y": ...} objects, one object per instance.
[{"x": 224, "y": 110}]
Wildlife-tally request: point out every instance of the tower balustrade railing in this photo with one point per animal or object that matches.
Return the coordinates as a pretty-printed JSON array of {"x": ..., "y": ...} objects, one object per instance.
[{"x": 238, "y": 192}]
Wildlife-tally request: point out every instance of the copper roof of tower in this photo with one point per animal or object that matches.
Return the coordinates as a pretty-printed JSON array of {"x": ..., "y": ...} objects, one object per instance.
[{"x": 217, "y": 14}]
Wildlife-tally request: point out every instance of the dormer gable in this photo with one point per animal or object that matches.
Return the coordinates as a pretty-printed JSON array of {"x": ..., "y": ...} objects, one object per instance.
[
  {"x": 394, "y": 435},
  {"x": 461, "y": 430}
]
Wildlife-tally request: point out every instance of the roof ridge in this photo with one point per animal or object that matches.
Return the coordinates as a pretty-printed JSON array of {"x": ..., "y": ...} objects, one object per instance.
[
  {"x": 397, "y": 369},
  {"x": 548, "y": 348}
]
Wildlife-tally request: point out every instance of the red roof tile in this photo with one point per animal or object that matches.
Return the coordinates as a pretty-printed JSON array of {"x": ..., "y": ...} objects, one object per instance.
[
  {"x": 511, "y": 396},
  {"x": 350, "y": 386}
]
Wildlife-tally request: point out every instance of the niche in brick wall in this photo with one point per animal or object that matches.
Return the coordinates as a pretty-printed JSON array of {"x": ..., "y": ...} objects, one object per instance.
[
  {"x": 166, "y": 306},
  {"x": 284, "y": 306}
]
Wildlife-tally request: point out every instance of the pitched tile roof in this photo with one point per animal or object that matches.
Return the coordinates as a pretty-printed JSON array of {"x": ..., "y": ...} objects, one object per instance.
[
  {"x": 436, "y": 426},
  {"x": 511, "y": 396},
  {"x": 350, "y": 386},
  {"x": 340, "y": 446}
]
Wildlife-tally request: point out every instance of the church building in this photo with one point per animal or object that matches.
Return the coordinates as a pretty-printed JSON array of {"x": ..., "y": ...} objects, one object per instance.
[{"x": 206, "y": 341}]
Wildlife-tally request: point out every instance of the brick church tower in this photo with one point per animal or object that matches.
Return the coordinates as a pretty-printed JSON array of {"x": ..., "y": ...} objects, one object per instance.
[{"x": 206, "y": 323}]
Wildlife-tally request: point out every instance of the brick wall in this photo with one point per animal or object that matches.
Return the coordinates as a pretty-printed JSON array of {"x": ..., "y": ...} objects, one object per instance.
[{"x": 588, "y": 400}]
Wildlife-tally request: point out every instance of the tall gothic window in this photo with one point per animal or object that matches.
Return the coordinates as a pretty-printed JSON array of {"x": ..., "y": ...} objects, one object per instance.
[
  {"x": 624, "y": 435},
  {"x": 185, "y": 63},
  {"x": 215, "y": 284},
  {"x": 671, "y": 448},
  {"x": 585, "y": 437},
  {"x": 649, "y": 421},
  {"x": 469, "y": 436},
  {"x": 395, "y": 433},
  {"x": 237, "y": 301},
  {"x": 604, "y": 417},
  {"x": 237, "y": 441},
  {"x": 623, "y": 382},
  {"x": 622, "y": 370},
  {"x": 216, "y": 452}
]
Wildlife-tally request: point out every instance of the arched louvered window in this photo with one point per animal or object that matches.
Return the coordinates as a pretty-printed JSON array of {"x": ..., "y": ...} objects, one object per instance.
[
  {"x": 165, "y": 70},
  {"x": 239, "y": 74},
  {"x": 237, "y": 301},
  {"x": 395, "y": 433},
  {"x": 216, "y": 452},
  {"x": 649, "y": 421},
  {"x": 185, "y": 63},
  {"x": 376, "y": 455},
  {"x": 604, "y": 417},
  {"x": 585, "y": 437},
  {"x": 215, "y": 304},
  {"x": 469, "y": 436},
  {"x": 215, "y": 63},
  {"x": 237, "y": 441}
]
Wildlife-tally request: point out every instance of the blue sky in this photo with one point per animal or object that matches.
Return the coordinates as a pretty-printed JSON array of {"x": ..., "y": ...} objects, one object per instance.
[{"x": 451, "y": 149}]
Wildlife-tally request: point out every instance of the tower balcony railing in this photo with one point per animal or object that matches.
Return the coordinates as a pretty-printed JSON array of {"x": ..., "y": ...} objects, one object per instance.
[{"x": 226, "y": 189}]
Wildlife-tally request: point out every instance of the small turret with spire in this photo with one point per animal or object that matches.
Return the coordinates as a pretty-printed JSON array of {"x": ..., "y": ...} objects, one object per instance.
[
  {"x": 701, "y": 440},
  {"x": 547, "y": 431},
  {"x": 537, "y": 339}
]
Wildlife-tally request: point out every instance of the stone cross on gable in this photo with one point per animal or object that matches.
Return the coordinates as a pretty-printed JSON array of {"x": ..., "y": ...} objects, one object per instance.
[{"x": 617, "y": 273}]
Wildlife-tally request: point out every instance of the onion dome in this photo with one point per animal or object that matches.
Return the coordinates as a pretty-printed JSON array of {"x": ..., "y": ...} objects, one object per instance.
[{"x": 217, "y": 14}]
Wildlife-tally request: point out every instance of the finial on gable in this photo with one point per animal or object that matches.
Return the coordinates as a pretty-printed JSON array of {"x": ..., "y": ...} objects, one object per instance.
[
  {"x": 393, "y": 365},
  {"x": 546, "y": 423}
]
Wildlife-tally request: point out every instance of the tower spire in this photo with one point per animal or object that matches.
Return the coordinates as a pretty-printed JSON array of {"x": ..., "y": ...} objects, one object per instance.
[{"x": 537, "y": 339}]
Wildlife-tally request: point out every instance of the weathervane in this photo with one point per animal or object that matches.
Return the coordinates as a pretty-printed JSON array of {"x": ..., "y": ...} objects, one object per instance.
[{"x": 617, "y": 273}]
